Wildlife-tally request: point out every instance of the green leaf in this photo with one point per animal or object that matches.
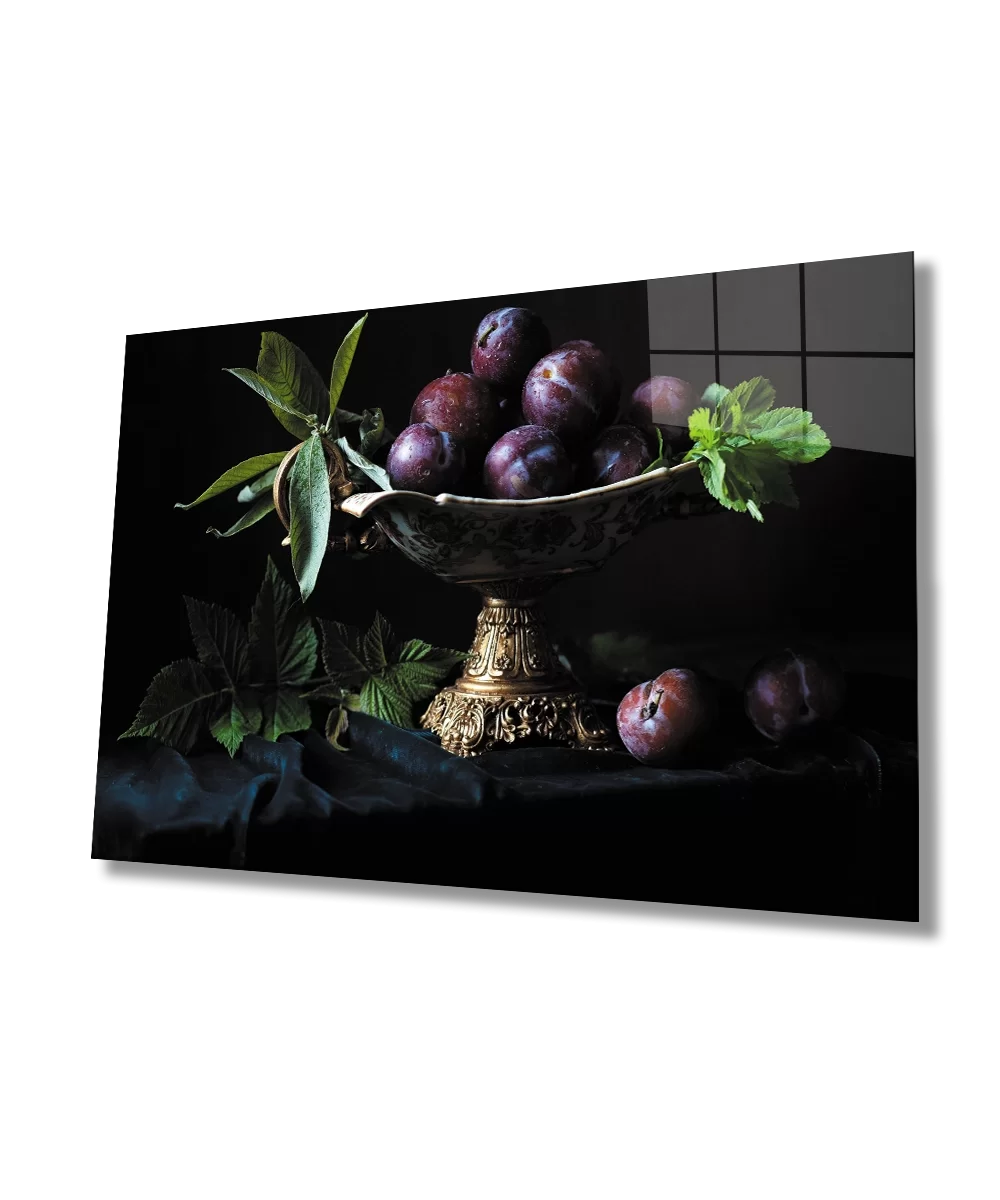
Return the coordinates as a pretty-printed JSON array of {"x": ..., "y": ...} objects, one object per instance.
[
  {"x": 256, "y": 512},
  {"x": 309, "y": 508},
  {"x": 235, "y": 720},
  {"x": 342, "y": 362},
  {"x": 377, "y": 646},
  {"x": 413, "y": 650},
  {"x": 374, "y": 473},
  {"x": 739, "y": 408},
  {"x": 283, "y": 646},
  {"x": 414, "y": 680},
  {"x": 284, "y": 711},
  {"x": 792, "y": 434},
  {"x": 220, "y": 641},
  {"x": 372, "y": 431},
  {"x": 755, "y": 472},
  {"x": 177, "y": 705},
  {"x": 299, "y": 423},
  {"x": 383, "y": 701},
  {"x": 291, "y": 375},
  {"x": 336, "y": 727},
  {"x": 713, "y": 472},
  {"x": 237, "y": 475},
  {"x": 416, "y": 651},
  {"x": 658, "y": 460},
  {"x": 256, "y": 486},
  {"x": 343, "y": 657},
  {"x": 702, "y": 428},
  {"x": 714, "y": 393}
]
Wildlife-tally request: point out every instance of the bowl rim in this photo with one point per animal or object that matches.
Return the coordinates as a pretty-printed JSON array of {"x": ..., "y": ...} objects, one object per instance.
[{"x": 362, "y": 502}]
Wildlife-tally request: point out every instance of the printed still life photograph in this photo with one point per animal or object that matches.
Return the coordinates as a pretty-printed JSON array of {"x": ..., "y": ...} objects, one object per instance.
[{"x": 601, "y": 591}]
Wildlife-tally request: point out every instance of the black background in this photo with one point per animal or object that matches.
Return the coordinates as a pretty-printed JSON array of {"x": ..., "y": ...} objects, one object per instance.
[{"x": 840, "y": 570}]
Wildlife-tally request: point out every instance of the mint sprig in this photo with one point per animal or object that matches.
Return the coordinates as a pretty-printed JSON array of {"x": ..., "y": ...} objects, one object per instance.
[
  {"x": 744, "y": 446},
  {"x": 266, "y": 678}
]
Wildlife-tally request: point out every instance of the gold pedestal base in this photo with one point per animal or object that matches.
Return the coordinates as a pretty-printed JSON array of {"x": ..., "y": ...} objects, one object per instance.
[
  {"x": 471, "y": 724},
  {"x": 513, "y": 689}
]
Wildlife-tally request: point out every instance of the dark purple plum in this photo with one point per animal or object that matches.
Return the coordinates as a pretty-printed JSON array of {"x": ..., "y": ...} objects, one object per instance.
[
  {"x": 525, "y": 463},
  {"x": 660, "y": 719},
  {"x": 663, "y": 403},
  {"x": 791, "y": 692},
  {"x": 620, "y": 452},
  {"x": 573, "y": 391},
  {"x": 462, "y": 405},
  {"x": 606, "y": 369},
  {"x": 423, "y": 459},
  {"x": 508, "y": 343}
]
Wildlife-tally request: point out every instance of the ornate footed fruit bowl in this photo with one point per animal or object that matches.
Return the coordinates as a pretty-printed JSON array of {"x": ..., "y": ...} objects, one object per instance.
[{"x": 513, "y": 689}]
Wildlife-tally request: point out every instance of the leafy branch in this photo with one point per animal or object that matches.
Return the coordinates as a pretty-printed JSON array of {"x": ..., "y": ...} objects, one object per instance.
[
  {"x": 310, "y": 411},
  {"x": 744, "y": 446},
  {"x": 262, "y": 678}
]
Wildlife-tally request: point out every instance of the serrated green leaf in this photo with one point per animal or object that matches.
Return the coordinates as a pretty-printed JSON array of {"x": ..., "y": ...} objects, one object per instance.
[
  {"x": 416, "y": 650},
  {"x": 343, "y": 657},
  {"x": 374, "y": 473},
  {"x": 378, "y": 644},
  {"x": 237, "y": 717},
  {"x": 714, "y": 393},
  {"x": 702, "y": 428},
  {"x": 283, "y": 646},
  {"x": 256, "y": 512},
  {"x": 309, "y": 509},
  {"x": 177, "y": 705},
  {"x": 237, "y": 475},
  {"x": 413, "y": 650},
  {"x": 379, "y": 700},
  {"x": 658, "y": 459},
  {"x": 336, "y": 727},
  {"x": 299, "y": 423},
  {"x": 792, "y": 434},
  {"x": 414, "y": 681},
  {"x": 220, "y": 641},
  {"x": 342, "y": 362},
  {"x": 713, "y": 472},
  {"x": 257, "y": 486},
  {"x": 371, "y": 432},
  {"x": 744, "y": 404},
  {"x": 292, "y": 376},
  {"x": 284, "y": 711},
  {"x": 756, "y": 472}
]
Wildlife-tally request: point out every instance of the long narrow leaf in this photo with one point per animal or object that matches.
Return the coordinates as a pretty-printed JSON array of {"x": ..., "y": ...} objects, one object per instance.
[
  {"x": 256, "y": 512},
  {"x": 374, "y": 472},
  {"x": 294, "y": 379},
  {"x": 342, "y": 362},
  {"x": 298, "y": 423},
  {"x": 254, "y": 488},
  {"x": 309, "y": 510},
  {"x": 248, "y": 469}
]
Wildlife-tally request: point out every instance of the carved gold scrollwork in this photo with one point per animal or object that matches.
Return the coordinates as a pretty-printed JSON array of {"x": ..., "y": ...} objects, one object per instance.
[
  {"x": 469, "y": 724},
  {"x": 513, "y": 689}
]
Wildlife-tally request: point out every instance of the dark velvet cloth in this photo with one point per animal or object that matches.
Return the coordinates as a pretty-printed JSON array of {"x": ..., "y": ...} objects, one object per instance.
[{"x": 827, "y": 827}]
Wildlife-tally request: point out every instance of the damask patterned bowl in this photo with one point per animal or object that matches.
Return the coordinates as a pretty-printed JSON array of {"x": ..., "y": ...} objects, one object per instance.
[{"x": 467, "y": 539}]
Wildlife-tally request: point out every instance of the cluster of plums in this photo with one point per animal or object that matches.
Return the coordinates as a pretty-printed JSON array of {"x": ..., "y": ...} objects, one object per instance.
[
  {"x": 530, "y": 421},
  {"x": 786, "y": 695}
]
